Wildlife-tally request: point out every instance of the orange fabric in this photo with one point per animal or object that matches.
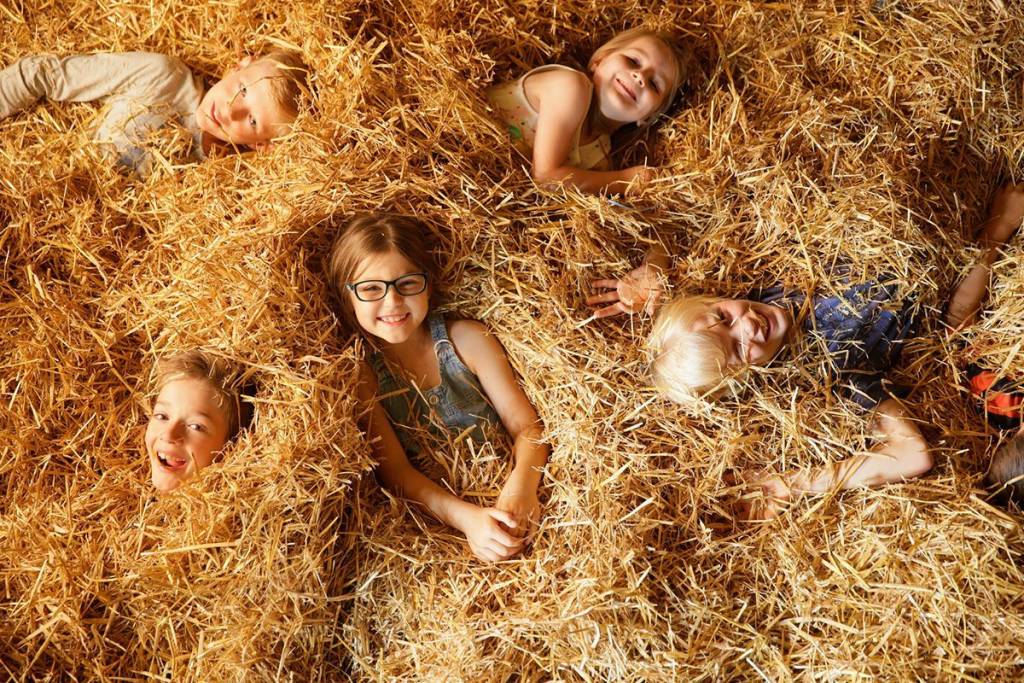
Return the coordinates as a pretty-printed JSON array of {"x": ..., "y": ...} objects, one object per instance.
[{"x": 996, "y": 402}]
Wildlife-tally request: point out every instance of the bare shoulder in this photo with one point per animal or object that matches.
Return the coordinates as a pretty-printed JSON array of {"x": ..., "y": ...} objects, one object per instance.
[
  {"x": 474, "y": 343},
  {"x": 567, "y": 88}
]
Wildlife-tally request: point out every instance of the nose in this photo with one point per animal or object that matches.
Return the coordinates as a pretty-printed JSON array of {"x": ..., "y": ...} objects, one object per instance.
[
  {"x": 237, "y": 111},
  {"x": 640, "y": 78},
  {"x": 174, "y": 431},
  {"x": 393, "y": 295}
]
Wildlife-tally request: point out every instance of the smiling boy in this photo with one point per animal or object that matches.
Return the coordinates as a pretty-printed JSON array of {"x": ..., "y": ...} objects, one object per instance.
[
  {"x": 256, "y": 101},
  {"x": 197, "y": 410}
]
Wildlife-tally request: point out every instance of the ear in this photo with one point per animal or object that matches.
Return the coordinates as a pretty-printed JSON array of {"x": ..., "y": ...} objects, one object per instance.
[{"x": 244, "y": 62}]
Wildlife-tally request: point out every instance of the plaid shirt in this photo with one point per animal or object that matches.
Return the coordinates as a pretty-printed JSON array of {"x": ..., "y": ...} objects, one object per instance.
[{"x": 863, "y": 328}]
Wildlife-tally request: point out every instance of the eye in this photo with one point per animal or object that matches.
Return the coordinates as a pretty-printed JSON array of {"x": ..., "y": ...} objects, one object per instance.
[
  {"x": 243, "y": 91},
  {"x": 655, "y": 86},
  {"x": 370, "y": 288},
  {"x": 632, "y": 61},
  {"x": 252, "y": 122},
  {"x": 196, "y": 427},
  {"x": 411, "y": 285},
  {"x": 158, "y": 416}
]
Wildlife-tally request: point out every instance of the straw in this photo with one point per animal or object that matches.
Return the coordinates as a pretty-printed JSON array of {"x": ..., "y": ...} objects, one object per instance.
[{"x": 871, "y": 134}]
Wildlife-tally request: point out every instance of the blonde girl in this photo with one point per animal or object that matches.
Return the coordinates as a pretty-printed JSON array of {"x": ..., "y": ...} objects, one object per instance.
[{"x": 564, "y": 119}]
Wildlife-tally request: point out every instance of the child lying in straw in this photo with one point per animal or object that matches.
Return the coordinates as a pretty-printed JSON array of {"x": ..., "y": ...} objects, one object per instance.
[
  {"x": 564, "y": 119},
  {"x": 429, "y": 374},
  {"x": 256, "y": 102},
  {"x": 1001, "y": 398},
  {"x": 196, "y": 412},
  {"x": 705, "y": 344}
]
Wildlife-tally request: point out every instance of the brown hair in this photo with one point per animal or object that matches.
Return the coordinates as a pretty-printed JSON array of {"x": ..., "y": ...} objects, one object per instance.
[
  {"x": 1006, "y": 474},
  {"x": 680, "y": 57},
  {"x": 195, "y": 364},
  {"x": 289, "y": 88},
  {"x": 368, "y": 235}
]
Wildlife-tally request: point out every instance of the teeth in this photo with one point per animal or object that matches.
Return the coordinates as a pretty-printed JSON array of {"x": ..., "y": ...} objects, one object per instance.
[
  {"x": 168, "y": 461},
  {"x": 392, "y": 318}
]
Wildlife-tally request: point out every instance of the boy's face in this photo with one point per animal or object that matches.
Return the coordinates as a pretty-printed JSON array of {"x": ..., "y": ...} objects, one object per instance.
[
  {"x": 186, "y": 430},
  {"x": 394, "y": 317},
  {"x": 633, "y": 81},
  {"x": 749, "y": 332},
  {"x": 240, "y": 109}
]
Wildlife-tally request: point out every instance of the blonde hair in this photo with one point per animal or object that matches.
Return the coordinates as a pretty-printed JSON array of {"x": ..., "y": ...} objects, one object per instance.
[
  {"x": 680, "y": 57},
  {"x": 1006, "y": 474},
  {"x": 289, "y": 88},
  {"x": 688, "y": 364},
  {"x": 215, "y": 372},
  {"x": 370, "y": 235}
]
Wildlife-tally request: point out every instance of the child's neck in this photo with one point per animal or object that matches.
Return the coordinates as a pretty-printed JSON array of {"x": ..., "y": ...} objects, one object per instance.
[
  {"x": 598, "y": 123},
  {"x": 416, "y": 356}
]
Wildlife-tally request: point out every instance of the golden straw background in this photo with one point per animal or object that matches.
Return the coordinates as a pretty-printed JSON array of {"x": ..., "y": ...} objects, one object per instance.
[{"x": 873, "y": 132}]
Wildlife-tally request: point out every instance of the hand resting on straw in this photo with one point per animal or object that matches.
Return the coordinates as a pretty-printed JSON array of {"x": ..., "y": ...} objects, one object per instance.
[{"x": 640, "y": 290}]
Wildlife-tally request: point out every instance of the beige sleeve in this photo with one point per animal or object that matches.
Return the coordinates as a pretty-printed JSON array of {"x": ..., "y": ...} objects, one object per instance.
[
  {"x": 142, "y": 89},
  {"x": 82, "y": 78}
]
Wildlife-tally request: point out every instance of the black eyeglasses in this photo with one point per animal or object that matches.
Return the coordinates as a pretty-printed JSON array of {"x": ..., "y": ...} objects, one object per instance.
[{"x": 375, "y": 290}]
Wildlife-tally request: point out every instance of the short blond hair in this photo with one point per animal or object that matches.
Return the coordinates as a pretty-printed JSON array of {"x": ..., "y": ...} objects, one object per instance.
[
  {"x": 680, "y": 57},
  {"x": 688, "y": 364},
  {"x": 215, "y": 372},
  {"x": 292, "y": 85}
]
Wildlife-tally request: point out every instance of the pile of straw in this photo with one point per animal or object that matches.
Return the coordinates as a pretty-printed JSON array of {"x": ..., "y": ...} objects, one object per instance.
[{"x": 874, "y": 132}]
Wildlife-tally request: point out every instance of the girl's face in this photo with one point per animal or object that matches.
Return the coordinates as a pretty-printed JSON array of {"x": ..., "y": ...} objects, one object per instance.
[
  {"x": 185, "y": 431},
  {"x": 749, "y": 332},
  {"x": 394, "y": 317},
  {"x": 633, "y": 81}
]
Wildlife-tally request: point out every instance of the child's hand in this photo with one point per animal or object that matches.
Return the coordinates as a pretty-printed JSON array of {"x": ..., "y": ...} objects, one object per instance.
[
  {"x": 522, "y": 504},
  {"x": 767, "y": 496},
  {"x": 639, "y": 291},
  {"x": 1005, "y": 216},
  {"x": 638, "y": 178},
  {"x": 487, "y": 538}
]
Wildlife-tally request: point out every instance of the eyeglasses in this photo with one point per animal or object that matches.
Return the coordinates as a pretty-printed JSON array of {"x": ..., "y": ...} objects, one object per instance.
[{"x": 375, "y": 290}]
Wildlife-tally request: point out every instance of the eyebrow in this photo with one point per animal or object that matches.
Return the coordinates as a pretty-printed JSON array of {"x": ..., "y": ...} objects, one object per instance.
[{"x": 167, "y": 403}]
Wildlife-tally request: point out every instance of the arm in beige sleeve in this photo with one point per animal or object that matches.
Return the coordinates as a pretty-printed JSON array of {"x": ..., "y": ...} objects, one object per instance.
[{"x": 81, "y": 78}]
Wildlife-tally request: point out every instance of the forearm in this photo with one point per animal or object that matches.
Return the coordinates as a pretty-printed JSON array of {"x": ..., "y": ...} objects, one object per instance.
[
  {"x": 412, "y": 484},
  {"x": 612, "y": 182},
  {"x": 966, "y": 300},
  {"x": 657, "y": 257},
  {"x": 901, "y": 454},
  {"x": 21, "y": 84},
  {"x": 530, "y": 456}
]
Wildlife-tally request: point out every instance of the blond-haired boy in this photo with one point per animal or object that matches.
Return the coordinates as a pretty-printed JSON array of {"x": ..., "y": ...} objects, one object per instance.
[{"x": 256, "y": 101}]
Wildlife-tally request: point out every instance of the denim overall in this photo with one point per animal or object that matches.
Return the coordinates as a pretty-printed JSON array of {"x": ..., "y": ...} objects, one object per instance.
[{"x": 457, "y": 404}]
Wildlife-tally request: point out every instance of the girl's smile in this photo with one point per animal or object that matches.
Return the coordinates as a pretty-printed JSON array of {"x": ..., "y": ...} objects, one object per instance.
[
  {"x": 393, "y": 318},
  {"x": 631, "y": 83}
]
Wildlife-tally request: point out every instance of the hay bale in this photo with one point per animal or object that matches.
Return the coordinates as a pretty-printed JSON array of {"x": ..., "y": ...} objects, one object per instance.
[{"x": 874, "y": 132}]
